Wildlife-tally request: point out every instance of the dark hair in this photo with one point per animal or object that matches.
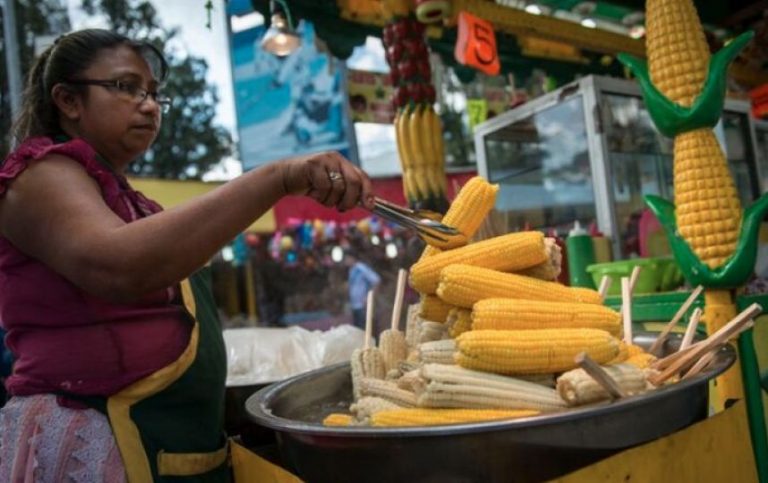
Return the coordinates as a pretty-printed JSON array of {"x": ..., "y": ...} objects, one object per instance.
[{"x": 63, "y": 61}]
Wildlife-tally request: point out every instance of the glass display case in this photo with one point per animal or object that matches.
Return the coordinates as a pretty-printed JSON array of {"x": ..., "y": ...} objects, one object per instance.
[{"x": 590, "y": 152}]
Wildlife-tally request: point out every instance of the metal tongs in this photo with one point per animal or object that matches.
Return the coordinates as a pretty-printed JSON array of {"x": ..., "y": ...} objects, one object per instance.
[{"x": 426, "y": 223}]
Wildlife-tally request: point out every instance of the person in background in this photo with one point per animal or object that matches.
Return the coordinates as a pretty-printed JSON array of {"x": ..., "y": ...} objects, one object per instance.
[
  {"x": 362, "y": 279},
  {"x": 120, "y": 364}
]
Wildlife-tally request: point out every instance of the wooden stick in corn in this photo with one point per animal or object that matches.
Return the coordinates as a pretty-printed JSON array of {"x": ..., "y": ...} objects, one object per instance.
[
  {"x": 434, "y": 417},
  {"x": 338, "y": 419},
  {"x": 464, "y": 285},
  {"x": 508, "y": 253},
  {"x": 605, "y": 284},
  {"x": 468, "y": 209},
  {"x": 532, "y": 351},
  {"x": 708, "y": 207},
  {"x": 690, "y": 329},
  {"x": 459, "y": 321},
  {"x": 452, "y": 386},
  {"x": 387, "y": 390},
  {"x": 438, "y": 351},
  {"x": 434, "y": 309},
  {"x": 519, "y": 314},
  {"x": 672, "y": 323},
  {"x": 368, "y": 361},
  {"x": 599, "y": 376},
  {"x": 626, "y": 309},
  {"x": 577, "y": 387},
  {"x": 392, "y": 342}
]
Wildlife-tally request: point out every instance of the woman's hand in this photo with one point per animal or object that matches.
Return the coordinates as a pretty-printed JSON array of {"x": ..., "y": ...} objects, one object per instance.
[{"x": 327, "y": 178}]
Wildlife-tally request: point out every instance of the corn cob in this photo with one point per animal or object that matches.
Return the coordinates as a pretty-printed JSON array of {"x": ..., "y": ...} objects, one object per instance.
[
  {"x": 532, "y": 351},
  {"x": 412, "y": 325},
  {"x": 642, "y": 361},
  {"x": 432, "y": 331},
  {"x": 511, "y": 252},
  {"x": 387, "y": 390},
  {"x": 408, "y": 186},
  {"x": 416, "y": 122},
  {"x": 464, "y": 285},
  {"x": 622, "y": 356},
  {"x": 338, "y": 419},
  {"x": 459, "y": 321},
  {"x": 453, "y": 386},
  {"x": 433, "y": 417},
  {"x": 634, "y": 350},
  {"x": 393, "y": 348},
  {"x": 547, "y": 380},
  {"x": 434, "y": 309},
  {"x": 577, "y": 387},
  {"x": 366, "y": 363},
  {"x": 517, "y": 314},
  {"x": 365, "y": 407},
  {"x": 550, "y": 269},
  {"x": 412, "y": 381},
  {"x": 438, "y": 351},
  {"x": 468, "y": 210},
  {"x": 432, "y": 142},
  {"x": 708, "y": 209}
]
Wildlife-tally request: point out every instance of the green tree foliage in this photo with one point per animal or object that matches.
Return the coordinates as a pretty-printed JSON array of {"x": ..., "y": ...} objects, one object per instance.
[{"x": 34, "y": 19}]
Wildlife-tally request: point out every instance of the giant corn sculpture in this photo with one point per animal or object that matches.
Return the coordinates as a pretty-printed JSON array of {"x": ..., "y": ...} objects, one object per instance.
[{"x": 714, "y": 241}]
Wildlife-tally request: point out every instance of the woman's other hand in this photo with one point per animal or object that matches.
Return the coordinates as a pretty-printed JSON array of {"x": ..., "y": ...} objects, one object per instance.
[{"x": 328, "y": 178}]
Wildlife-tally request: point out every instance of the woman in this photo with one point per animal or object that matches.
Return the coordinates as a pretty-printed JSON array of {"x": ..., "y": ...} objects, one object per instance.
[{"x": 120, "y": 363}]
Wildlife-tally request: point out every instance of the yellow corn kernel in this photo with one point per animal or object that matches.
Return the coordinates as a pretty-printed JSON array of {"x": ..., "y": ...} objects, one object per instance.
[
  {"x": 518, "y": 314},
  {"x": 464, "y": 285},
  {"x": 433, "y": 417},
  {"x": 550, "y": 269},
  {"x": 622, "y": 356},
  {"x": 468, "y": 210},
  {"x": 532, "y": 351},
  {"x": 642, "y": 361},
  {"x": 338, "y": 419},
  {"x": 577, "y": 387},
  {"x": 434, "y": 309},
  {"x": 459, "y": 321},
  {"x": 515, "y": 251}
]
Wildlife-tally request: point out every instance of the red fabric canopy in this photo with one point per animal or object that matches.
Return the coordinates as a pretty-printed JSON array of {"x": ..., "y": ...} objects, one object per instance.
[{"x": 390, "y": 189}]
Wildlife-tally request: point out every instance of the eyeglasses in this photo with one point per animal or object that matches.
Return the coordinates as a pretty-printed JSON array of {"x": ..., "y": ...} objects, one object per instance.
[{"x": 127, "y": 91}]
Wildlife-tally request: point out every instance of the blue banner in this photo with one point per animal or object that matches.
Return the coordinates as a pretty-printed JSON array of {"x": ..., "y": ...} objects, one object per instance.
[{"x": 286, "y": 106}]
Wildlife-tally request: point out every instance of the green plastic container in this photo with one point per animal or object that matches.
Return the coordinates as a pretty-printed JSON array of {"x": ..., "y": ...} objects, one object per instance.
[{"x": 657, "y": 274}]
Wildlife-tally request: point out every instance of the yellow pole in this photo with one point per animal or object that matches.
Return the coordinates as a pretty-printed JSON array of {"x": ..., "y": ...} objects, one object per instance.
[{"x": 719, "y": 308}]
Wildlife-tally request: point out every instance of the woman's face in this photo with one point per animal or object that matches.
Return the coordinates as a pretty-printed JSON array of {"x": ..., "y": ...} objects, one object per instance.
[{"x": 119, "y": 126}]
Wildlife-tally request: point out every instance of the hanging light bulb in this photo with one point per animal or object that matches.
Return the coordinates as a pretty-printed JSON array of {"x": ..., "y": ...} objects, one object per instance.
[{"x": 280, "y": 39}]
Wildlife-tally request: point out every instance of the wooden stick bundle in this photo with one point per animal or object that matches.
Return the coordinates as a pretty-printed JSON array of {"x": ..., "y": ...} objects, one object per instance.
[{"x": 679, "y": 315}]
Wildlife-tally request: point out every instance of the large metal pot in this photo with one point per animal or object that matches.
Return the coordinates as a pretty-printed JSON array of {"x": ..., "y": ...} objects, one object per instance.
[{"x": 531, "y": 449}]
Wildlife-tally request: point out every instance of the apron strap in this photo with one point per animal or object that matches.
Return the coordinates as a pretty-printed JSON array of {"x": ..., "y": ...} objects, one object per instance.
[{"x": 190, "y": 464}]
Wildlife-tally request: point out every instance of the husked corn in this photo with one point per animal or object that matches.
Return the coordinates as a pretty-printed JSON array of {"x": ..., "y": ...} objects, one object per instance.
[
  {"x": 456, "y": 387},
  {"x": 434, "y": 309},
  {"x": 468, "y": 210},
  {"x": 550, "y": 269},
  {"x": 338, "y": 419},
  {"x": 387, "y": 390},
  {"x": 577, "y": 387},
  {"x": 517, "y": 314},
  {"x": 642, "y": 361},
  {"x": 412, "y": 381},
  {"x": 511, "y": 252},
  {"x": 366, "y": 363},
  {"x": 459, "y": 321},
  {"x": 438, "y": 351},
  {"x": 412, "y": 322},
  {"x": 464, "y": 285},
  {"x": 532, "y": 351},
  {"x": 432, "y": 417},
  {"x": 432, "y": 331},
  {"x": 365, "y": 407},
  {"x": 393, "y": 348}
]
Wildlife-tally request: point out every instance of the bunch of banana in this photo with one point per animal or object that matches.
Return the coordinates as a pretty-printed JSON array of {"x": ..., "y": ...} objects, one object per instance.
[{"x": 417, "y": 126}]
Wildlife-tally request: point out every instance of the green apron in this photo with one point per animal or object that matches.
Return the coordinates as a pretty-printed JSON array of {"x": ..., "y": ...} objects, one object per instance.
[{"x": 169, "y": 425}]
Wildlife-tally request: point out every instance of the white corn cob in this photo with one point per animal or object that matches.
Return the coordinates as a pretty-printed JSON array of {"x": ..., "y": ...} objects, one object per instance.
[
  {"x": 393, "y": 348},
  {"x": 412, "y": 381},
  {"x": 365, "y": 407},
  {"x": 387, "y": 390},
  {"x": 412, "y": 325},
  {"x": 456, "y": 387},
  {"x": 366, "y": 363},
  {"x": 432, "y": 331},
  {"x": 577, "y": 387},
  {"x": 438, "y": 351}
]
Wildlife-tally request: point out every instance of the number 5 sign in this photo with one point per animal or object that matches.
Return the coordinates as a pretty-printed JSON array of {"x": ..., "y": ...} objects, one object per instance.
[{"x": 476, "y": 44}]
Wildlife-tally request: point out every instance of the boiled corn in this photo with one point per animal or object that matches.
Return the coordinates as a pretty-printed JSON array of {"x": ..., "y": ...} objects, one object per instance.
[
  {"x": 532, "y": 351},
  {"x": 464, "y": 285},
  {"x": 338, "y": 419},
  {"x": 577, "y": 387},
  {"x": 459, "y": 321},
  {"x": 516, "y": 314},
  {"x": 550, "y": 269},
  {"x": 438, "y": 351},
  {"x": 387, "y": 390},
  {"x": 432, "y": 417},
  {"x": 511, "y": 252},
  {"x": 434, "y": 309},
  {"x": 366, "y": 363},
  {"x": 393, "y": 348},
  {"x": 365, "y": 407},
  {"x": 430, "y": 331}
]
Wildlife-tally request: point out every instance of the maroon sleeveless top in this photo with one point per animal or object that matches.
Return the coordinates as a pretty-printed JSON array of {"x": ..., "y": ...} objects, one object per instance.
[{"x": 63, "y": 338}]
